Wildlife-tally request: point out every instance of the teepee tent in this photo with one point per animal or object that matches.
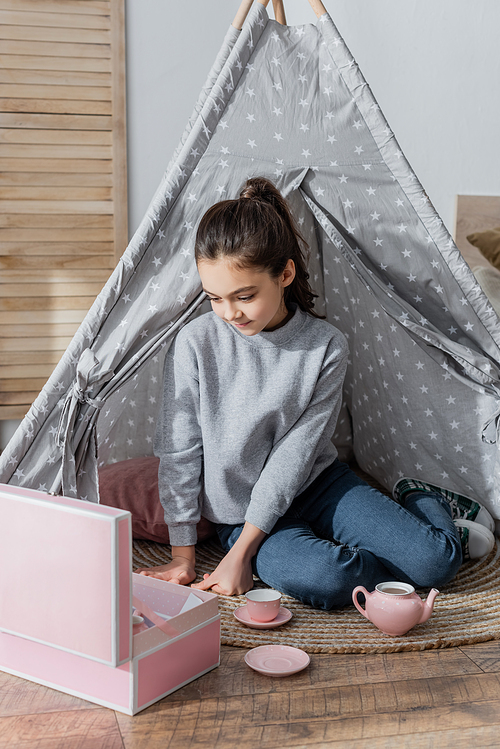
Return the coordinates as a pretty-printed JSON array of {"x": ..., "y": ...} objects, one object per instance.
[{"x": 422, "y": 390}]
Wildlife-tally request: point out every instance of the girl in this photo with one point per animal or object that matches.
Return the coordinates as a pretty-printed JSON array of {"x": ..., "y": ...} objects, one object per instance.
[{"x": 251, "y": 397}]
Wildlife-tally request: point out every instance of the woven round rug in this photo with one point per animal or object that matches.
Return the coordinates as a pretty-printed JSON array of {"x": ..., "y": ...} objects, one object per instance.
[{"x": 466, "y": 611}]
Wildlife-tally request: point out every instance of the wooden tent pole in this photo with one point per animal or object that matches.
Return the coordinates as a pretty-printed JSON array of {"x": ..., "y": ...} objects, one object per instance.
[
  {"x": 318, "y": 7},
  {"x": 242, "y": 13},
  {"x": 279, "y": 12}
]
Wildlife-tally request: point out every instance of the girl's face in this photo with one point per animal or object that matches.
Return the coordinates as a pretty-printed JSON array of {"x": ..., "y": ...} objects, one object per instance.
[{"x": 251, "y": 300}]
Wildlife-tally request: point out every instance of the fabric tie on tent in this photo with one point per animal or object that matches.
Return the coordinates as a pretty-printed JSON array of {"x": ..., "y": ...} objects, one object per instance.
[
  {"x": 421, "y": 395},
  {"x": 76, "y": 432},
  {"x": 68, "y": 433}
]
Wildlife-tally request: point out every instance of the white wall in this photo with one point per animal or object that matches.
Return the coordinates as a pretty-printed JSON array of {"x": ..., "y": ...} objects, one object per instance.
[
  {"x": 433, "y": 65},
  {"x": 7, "y": 429}
]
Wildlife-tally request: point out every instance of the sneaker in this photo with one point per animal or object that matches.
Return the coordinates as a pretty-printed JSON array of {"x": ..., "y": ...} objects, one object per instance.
[
  {"x": 477, "y": 541},
  {"x": 461, "y": 506}
]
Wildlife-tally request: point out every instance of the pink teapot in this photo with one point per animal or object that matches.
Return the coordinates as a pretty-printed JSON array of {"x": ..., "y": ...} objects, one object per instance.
[{"x": 394, "y": 607}]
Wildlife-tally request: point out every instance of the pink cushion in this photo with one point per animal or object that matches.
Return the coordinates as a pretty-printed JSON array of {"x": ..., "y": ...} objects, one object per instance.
[{"x": 133, "y": 485}]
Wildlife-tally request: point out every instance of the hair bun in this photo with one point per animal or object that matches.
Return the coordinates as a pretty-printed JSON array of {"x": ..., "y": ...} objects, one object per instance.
[{"x": 259, "y": 189}]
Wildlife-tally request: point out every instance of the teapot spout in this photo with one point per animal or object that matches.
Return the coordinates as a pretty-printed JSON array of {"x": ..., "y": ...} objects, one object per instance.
[{"x": 428, "y": 606}]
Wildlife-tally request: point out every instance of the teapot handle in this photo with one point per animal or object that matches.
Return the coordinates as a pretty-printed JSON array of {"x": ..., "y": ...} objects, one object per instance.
[{"x": 355, "y": 592}]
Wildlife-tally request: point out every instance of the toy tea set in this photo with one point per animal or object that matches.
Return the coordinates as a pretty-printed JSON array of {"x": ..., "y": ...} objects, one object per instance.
[
  {"x": 68, "y": 559},
  {"x": 393, "y": 607},
  {"x": 263, "y": 611}
]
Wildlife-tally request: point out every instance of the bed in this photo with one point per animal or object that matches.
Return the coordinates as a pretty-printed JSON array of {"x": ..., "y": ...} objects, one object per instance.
[{"x": 478, "y": 215}]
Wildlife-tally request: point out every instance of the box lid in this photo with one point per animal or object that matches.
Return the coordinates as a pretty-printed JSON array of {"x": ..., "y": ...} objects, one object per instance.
[{"x": 66, "y": 574}]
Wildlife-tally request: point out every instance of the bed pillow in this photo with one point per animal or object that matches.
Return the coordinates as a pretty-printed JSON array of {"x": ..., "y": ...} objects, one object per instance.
[
  {"x": 488, "y": 244},
  {"x": 489, "y": 280},
  {"x": 133, "y": 485}
]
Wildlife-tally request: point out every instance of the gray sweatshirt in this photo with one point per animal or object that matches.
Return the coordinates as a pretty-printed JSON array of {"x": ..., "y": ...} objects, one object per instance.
[{"x": 247, "y": 421}]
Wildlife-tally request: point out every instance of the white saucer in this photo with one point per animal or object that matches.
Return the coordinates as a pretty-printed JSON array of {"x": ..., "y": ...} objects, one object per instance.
[
  {"x": 277, "y": 660},
  {"x": 242, "y": 615}
]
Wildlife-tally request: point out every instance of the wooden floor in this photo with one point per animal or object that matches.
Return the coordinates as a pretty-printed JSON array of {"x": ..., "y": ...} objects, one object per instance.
[{"x": 441, "y": 698}]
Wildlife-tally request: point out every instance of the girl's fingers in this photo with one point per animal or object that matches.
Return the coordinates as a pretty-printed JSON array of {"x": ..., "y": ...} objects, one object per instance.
[
  {"x": 217, "y": 589},
  {"x": 205, "y": 583}
]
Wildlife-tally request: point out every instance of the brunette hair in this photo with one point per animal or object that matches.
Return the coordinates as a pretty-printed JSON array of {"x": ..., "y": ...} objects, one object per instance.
[{"x": 257, "y": 230}]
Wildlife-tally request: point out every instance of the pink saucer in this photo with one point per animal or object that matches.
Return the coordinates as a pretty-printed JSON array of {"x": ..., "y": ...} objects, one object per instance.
[
  {"x": 242, "y": 615},
  {"x": 277, "y": 660}
]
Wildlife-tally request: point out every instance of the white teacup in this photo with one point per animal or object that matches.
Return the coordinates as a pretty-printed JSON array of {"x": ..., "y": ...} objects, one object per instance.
[{"x": 263, "y": 604}]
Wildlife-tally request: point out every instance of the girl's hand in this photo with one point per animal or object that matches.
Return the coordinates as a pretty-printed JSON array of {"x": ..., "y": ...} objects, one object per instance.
[
  {"x": 179, "y": 571},
  {"x": 232, "y": 577}
]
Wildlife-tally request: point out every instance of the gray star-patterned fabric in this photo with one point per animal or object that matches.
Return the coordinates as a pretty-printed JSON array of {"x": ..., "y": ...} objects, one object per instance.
[{"x": 422, "y": 393}]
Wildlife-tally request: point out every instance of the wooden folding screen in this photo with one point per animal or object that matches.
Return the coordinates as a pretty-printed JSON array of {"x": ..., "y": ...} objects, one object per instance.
[{"x": 63, "y": 198}]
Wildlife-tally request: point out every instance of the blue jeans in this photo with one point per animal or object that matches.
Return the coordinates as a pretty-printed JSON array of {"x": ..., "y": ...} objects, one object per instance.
[{"x": 341, "y": 532}]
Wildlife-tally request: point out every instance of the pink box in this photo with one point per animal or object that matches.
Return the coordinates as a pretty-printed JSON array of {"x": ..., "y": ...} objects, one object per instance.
[{"x": 66, "y": 606}]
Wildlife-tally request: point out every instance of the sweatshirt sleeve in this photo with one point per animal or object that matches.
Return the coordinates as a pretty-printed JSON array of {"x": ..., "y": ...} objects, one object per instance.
[
  {"x": 178, "y": 444},
  {"x": 291, "y": 460}
]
